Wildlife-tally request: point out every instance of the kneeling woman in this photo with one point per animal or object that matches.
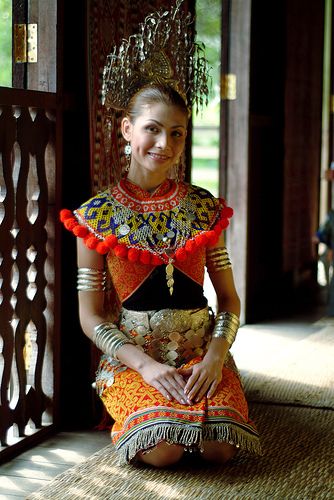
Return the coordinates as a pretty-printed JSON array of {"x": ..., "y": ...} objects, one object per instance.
[{"x": 166, "y": 376}]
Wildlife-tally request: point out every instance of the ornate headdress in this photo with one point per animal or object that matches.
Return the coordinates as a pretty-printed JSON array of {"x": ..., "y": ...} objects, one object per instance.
[{"x": 164, "y": 52}]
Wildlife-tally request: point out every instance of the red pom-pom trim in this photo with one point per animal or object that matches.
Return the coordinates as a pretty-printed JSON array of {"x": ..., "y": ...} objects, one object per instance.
[
  {"x": 70, "y": 223},
  {"x": 133, "y": 254},
  {"x": 91, "y": 242},
  {"x": 181, "y": 254},
  {"x": 224, "y": 223},
  {"x": 65, "y": 214},
  {"x": 218, "y": 228},
  {"x": 111, "y": 241},
  {"x": 212, "y": 237},
  {"x": 156, "y": 261},
  {"x": 121, "y": 251},
  {"x": 145, "y": 257},
  {"x": 190, "y": 246},
  {"x": 80, "y": 231},
  {"x": 201, "y": 240},
  {"x": 102, "y": 248},
  {"x": 227, "y": 212}
]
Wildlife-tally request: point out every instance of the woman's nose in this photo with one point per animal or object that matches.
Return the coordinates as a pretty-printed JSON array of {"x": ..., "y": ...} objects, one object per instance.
[{"x": 163, "y": 141}]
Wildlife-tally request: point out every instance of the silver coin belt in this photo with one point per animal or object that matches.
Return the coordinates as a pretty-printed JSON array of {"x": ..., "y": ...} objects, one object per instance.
[{"x": 170, "y": 336}]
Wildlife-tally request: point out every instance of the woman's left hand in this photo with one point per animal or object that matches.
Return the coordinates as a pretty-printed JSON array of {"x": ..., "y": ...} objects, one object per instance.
[{"x": 204, "y": 378}]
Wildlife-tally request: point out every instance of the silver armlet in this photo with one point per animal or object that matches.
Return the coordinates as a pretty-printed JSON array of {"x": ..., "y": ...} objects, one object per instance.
[
  {"x": 91, "y": 280},
  {"x": 108, "y": 338},
  {"x": 217, "y": 259},
  {"x": 226, "y": 327}
]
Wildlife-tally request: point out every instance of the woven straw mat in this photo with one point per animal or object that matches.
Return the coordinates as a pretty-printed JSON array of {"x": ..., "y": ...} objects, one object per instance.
[
  {"x": 297, "y": 464},
  {"x": 288, "y": 366}
]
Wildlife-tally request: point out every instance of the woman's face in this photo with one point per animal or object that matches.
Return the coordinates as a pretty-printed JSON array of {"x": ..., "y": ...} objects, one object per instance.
[{"x": 157, "y": 137}]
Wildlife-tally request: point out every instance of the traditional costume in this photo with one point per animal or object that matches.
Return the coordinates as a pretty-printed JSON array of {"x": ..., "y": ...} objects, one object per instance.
[{"x": 156, "y": 247}]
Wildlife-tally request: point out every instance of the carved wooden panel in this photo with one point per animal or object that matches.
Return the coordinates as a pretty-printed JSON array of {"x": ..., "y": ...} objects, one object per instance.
[{"x": 27, "y": 191}]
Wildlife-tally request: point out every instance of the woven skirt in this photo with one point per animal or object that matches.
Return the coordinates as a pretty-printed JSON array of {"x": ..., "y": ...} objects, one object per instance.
[{"x": 143, "y": 417}]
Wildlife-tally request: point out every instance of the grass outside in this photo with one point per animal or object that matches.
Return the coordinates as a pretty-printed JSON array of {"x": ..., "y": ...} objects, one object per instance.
[
  {"x": 205, "y": 173},
  {"x": 5, "y": 43}
]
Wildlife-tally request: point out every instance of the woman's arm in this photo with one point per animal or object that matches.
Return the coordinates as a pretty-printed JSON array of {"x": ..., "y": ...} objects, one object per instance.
[
  {"x": 164, "y": 378},
  {"x": 205, "y": 377},
  {"x": 91, "y": 303}
]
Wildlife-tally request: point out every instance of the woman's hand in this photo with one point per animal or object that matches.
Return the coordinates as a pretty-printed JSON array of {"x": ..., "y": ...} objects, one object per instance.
[
  {"x": 166, "y": 379},
  {"x": 204, "y": 378}
]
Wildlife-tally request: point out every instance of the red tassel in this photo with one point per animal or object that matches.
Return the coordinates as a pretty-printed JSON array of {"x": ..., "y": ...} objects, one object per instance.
[
  {"x": 80, "y": 231},
  {"x": 111, "y": 241},
  {"x": 102, "y": 248},
  {"x": 65, "y": 214},
  {"x": 133, "y": 255},
  {"x": 91, "y": 242},
  {"x": 145, "y": 257},
  {"x": 181, "y": 255},
  {"x": 121, "y": 251}
]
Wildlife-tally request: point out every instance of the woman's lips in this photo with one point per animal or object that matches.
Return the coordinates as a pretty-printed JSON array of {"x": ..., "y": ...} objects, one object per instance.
[{"x": 157, "y": 156}]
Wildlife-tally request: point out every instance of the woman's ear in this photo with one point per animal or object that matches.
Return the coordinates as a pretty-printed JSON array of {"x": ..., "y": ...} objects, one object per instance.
[{"x": 126, "y": 128}]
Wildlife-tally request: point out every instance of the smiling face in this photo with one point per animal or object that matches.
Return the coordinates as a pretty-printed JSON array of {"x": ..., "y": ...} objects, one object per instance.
[{"x": 157, "y": 136}]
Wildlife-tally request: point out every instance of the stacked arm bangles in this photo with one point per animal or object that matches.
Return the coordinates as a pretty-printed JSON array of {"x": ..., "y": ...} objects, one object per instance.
[
  {"x": 107, "y": 337},
  {"x": 226, "y": 327}
]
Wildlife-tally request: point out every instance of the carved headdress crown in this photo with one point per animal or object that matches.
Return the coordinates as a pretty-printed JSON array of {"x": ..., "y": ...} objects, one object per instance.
[{"x": 164, "y": 52}]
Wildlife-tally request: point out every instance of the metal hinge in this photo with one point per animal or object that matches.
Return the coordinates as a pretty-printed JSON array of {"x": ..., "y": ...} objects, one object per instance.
[
  {"x": 229, "y": 86},
  {"x": 25, "y": 43}
]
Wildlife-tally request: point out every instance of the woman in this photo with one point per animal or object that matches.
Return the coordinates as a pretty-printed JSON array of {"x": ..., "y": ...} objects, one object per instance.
[{"x": 167, "y": 377}]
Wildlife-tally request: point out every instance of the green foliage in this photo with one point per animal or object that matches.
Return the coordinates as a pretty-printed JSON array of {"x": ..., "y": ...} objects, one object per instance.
[
  {"x": 6, "y": 43},
  {"x": 208, "y": 26}
]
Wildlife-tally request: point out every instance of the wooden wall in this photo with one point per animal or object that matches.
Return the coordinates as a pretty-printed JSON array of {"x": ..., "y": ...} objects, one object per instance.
[{"x": 284, "y": 155}]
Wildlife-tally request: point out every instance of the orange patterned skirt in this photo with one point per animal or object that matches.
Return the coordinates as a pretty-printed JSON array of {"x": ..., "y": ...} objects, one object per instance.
[{"x": 143, "y": 417}]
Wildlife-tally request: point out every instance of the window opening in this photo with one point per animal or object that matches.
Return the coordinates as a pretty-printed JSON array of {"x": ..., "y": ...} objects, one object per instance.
[
  {"x": 205, "y": 137},
  {"x": 6, "y": 43}
]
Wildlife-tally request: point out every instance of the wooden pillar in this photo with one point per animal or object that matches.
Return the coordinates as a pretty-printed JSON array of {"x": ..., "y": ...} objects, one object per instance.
[{"x": 235, "y": 114}]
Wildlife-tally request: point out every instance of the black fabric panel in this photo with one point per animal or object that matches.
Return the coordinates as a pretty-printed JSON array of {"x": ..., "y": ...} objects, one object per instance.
[{"x": 154, "y": 293}]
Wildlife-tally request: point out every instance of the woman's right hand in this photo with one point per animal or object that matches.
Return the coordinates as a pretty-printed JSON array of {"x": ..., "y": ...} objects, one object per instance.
[{"x": 166, "y": 380}]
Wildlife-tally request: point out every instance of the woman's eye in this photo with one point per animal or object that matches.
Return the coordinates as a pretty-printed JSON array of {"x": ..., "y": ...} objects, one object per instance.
[
  {"x": 176, "y": 133},
  {"x": 151, "y": 128}
]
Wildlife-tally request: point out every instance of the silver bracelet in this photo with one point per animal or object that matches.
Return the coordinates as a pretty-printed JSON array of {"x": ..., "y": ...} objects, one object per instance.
[
  {"x": 91, "y": 280},
  {"x": 108, "y": 338},
  {"x": 226, "y": 327},
  {"x": 217, "y": 259}
]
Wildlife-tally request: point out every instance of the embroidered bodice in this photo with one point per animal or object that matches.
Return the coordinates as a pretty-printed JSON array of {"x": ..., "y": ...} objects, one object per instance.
[{"x": 138, "y": 230}]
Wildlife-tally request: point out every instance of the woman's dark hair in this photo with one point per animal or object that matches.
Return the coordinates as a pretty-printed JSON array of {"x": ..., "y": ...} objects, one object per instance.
[{"x": 152, "y": 94}]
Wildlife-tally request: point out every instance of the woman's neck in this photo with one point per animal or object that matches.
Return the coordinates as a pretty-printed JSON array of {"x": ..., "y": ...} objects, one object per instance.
[{"x": 149, "y": 182}]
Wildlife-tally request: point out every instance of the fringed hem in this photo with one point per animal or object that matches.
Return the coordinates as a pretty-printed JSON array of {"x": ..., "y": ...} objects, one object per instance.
[{"x": 188, "y": 437}]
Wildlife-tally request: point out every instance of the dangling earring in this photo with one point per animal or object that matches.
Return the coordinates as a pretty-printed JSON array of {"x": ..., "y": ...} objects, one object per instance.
[
  {"x": 127, "y": 149},
  {"x": 127, "y": 152}
]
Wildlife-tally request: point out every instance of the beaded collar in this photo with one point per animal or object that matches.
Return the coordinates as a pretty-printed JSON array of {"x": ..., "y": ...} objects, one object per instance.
[
  {"x": 155, "y": 230},
  {"x": 167, "y": 196}
]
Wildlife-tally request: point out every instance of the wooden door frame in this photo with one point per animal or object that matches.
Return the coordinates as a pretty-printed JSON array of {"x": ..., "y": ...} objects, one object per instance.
[{"x": 236, "y": 44}]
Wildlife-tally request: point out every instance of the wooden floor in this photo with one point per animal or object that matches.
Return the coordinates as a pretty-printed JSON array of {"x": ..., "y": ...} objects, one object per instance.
[{"x": 34, "y": 468}]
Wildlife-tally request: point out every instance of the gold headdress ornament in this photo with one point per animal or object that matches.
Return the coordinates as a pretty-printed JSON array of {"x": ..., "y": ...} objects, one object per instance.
[{"x": 164, "y": 52}]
